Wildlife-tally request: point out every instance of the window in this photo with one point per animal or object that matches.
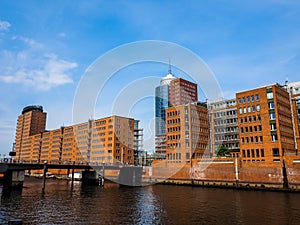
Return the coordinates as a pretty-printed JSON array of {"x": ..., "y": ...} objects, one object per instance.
[
  {"x": 246, "y": 129},
  {"x": 270, "y": 95},
  {"x": 273, "y": 126},
  {"x": 253, "y": 108},
  {"x": 241, "y": 110},
  {"x": 261, "y": 139},
  {"x": 240, "y": 101},
  {"x": 244, "y": 153},
  {"x": 245, "y": 110},
  {"x": 258, "y": 108},
  {"x": 274, "y": 137},
  {"x": 271, "y": 105},
  {"x": 272, "y": 116},
  {"x": 254, "y": 118},
  {"x": 252, "y": 153},
  {"x": 259, "y": 127},
  {"x": 248, "y": 153},
  {"x": 249, "y": 109},
  {"x": 257, "y": 97},
  {"x": 252, "y": 98},
  {"x": 257, "y": 152},
  {"x": 248, "y": 98},
  {"x": 297, "y": 91},
  {"x": 242, "y": 130},
  {"x": 275, "y": 152},
  {"x": 262, "y": 153}
]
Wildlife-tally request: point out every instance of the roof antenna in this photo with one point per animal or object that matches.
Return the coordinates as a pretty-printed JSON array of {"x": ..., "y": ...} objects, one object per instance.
[{"x": 170, "y": 70}]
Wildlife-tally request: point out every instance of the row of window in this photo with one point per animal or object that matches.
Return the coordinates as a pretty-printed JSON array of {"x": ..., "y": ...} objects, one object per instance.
[
  {"x": 254, "y": 139},
  {"x": 251, "y": 129},
  {"x": 227, "y": 121},
  {"x": 253, "y": 153},
  {"x": 250, "y": 109},
  {"x": 250, "y": 119},
  {"x": 248, "y": 99},
  {"x": 225, "y": 113}
]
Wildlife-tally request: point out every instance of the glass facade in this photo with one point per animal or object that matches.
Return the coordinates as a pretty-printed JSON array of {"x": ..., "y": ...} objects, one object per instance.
[{"x": 161, "y": 104}]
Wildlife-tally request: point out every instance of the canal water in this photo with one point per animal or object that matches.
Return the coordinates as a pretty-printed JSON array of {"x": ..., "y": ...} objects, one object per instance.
[{"x": 158, "y": 204}]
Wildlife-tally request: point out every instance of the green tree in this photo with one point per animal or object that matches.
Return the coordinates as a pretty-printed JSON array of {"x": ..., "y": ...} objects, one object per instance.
[{"x": 222, "y": 151}]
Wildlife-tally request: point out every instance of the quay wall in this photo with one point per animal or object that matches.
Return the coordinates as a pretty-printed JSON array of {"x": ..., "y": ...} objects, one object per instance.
[{"x": 230, "y": 172}]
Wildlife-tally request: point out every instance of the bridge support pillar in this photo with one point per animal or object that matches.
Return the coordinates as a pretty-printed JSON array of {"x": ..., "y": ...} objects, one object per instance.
[
  {"x": 90, "y": 177},
  {"x": 13, "y": 179},
  {"x": 131, "y": 176}
]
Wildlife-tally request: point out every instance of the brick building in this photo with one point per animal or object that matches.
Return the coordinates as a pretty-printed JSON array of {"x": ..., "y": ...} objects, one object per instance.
[
  {"x": 109, "y": 140},
  {"x": 32, "y": 121},
  {"x": 182, "y": 92},
  {"x": 265, "y": 124},
  {"x": 187, "y": 132}
]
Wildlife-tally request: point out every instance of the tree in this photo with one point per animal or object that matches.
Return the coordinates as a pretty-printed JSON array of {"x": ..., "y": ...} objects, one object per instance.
[{"x": 222, "y": 151}]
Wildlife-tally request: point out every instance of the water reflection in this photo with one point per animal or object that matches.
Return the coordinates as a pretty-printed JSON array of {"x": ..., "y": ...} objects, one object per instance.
[{"x": 159, "y": 204}]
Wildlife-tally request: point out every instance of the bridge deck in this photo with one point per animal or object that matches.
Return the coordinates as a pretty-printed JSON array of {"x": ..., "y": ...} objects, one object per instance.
[{"x": 28, "y": 166}]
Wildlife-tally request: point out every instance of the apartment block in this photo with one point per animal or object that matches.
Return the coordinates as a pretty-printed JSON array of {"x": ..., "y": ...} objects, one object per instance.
[
  {"x": 106, "y": 140},
  {"x": 32, "y": 121},
  {"x": 187, "y": 132},
  {"x": 265, "y": 124},
  {"x": 223, "y": 121}
]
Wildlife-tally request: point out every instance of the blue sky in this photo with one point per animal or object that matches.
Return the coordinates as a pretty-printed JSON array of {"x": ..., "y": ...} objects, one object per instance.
[{"x": 46, "y": 46}]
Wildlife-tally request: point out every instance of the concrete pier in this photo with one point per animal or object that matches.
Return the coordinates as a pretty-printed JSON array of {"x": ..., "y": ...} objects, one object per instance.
[{"x": 13, "y": 179}]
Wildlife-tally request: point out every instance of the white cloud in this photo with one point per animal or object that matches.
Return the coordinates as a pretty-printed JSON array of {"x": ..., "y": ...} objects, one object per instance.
[
  {"x": 30, "y": 42},
  {"x": 50, "y": 72},
  {"x": 34, "y": 67},
  {"x": 4, "y": 25}
]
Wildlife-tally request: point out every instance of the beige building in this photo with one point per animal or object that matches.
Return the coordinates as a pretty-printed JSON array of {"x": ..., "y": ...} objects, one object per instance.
[{"x": 108, "y": 140}]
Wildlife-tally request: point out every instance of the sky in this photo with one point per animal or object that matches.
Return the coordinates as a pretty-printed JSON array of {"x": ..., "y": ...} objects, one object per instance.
[{"x": 47, "y": 46}]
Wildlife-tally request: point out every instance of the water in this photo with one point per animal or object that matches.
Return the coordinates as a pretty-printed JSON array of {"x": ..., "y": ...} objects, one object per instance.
[{"x": 158, "y": 204}]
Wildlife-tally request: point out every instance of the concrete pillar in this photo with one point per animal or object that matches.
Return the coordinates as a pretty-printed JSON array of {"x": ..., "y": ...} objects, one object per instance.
[
  {"x": 14, "y": 179},
  {"x": 131, "y": 176},
  {"x": 90, "y": 177}
]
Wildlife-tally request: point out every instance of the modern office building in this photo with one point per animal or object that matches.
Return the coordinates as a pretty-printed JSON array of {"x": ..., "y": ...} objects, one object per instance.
[
  {"x": 187, "y": 132},
  {"x": 265, "y": 124},
  {"x": 182, "y": 92},
  {"x": 161, "y": 104},
  {"x": 224, "y": 126},
  {"x": 106, "y": 140}
]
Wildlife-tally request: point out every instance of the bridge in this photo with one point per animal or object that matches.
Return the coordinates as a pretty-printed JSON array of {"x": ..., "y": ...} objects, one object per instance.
[{"x": 13, "y": 173}]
